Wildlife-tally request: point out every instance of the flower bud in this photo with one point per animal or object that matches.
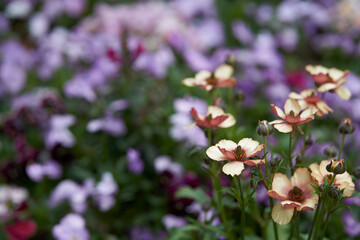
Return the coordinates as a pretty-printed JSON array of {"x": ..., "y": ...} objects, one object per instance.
[
  {"x": 322, "y": 187},
  {"x": 275, "y": 161},
  {"x": 239, "y": 96},
  {"x": 230, "y": 60},
  {"x": 336, "y": 167},
  {"x": 331, "y": 151},
  {"x": 346, "y": 126},
  {"x": 264, "y": 128},
  {"x": 333, "y": 192},
  {"x": 309, "y": 142},
  {"x": 356, "y": 173}
]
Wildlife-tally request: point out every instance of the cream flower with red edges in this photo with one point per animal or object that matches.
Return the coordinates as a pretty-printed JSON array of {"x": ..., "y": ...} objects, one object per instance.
[
  {"x": 295, "y": 194},
  {"x": 239, "y": 154},
  {"x": 291, "y": 118},
  {"x": 342, "y": 181},
  {"x": 215, "y": 117},
  {"x": 329, "y": 79},
  {"x": 308, "y": 99},
  {"x": 222, "y": 77}
]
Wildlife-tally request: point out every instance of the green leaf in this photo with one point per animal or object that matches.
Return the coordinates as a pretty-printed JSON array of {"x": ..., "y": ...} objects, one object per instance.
[{"x": 193, "y": 193}]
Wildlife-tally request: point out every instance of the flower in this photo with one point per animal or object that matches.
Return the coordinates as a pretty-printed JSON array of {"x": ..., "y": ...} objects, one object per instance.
[
  {"x": 292, "y": 117},
  {"x": 21, "y": 229},
  {"x": 209, "y": 81},
  {"x": 135, "y": 163},
  {"x": 346, "y": 126},
  {"x": 215, "y": 117},
  {"x": 342, "y": 181},
  {"x": 329, "y": 79},
  {"x": 296, "y": 193},
  {"x": 72, "y": 226},
  {"x": 239, "y": 153},
  {"x": 58, "y": 132},
  {"x": 351, "y": 225},
  {"x": 37, "y": 171},
  {"x": 308, "y": 99}
]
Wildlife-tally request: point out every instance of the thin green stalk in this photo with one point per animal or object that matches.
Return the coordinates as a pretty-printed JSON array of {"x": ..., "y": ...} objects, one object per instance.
[
  {"x": 325, "y": 226},
  {"x": 319, "y": 222},
  {"x": 217, "y": 188},
  {"x": 274, "y": 223},
  {"x": 290, "y": 153},
  {"x": 315, "y": 218},
  {"x": 341, "y": 146},
  {"x": 297, "y": 225},
  {"x": 242, "y": 226},
  {"x": 266, "y": 161}
]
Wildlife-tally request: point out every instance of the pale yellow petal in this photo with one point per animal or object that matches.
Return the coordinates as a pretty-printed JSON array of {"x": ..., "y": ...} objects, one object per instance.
[
  {"x": 343, "y": 92},
  {"x": 327, "y": 87},
  {"x": 224, "y": 71},
  {"x": 233, "y": 168},
  {"x": 292, "y": 105},
  {"x": 229, "y": 122},
  {"x": 281, "y": 215},
  {"x": 283, "y": 127}
]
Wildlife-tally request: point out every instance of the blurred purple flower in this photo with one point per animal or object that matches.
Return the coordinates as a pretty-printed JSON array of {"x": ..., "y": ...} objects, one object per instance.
[
  {"x": 73, "y": 192},
  {"x": 264, "y": 14},
  {"x": 4, "y": 24},
  {"x": 204, "y": 216},
  {"x": 104, "y": 192},
  {"x": 288, "y": 39},
  {"x": 18, "y": 9},
  {"x": 135, "y": 163},
  {"x": 37, "y": 171},
  {"x": 352, "y": 227},
  {"x": 38, "y": 25},
  {"x": 111, "y": 125},
  {"x": 171, "y": 221},
  {"x": 165, "y": 164},
  {"x": 72, "y": 226},
  {"x": 193, "y": 136},
  {"x": 190, "y": 8},
  {"x": 352, "y": 201},
  {"x": 58, "y": 132},
  {"x": 242, "y": 32},
  {"x": 141, "y": 233}
]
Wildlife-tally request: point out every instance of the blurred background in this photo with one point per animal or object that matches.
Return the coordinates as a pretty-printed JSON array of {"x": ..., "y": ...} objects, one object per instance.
[{"x": 93, "y": 110}]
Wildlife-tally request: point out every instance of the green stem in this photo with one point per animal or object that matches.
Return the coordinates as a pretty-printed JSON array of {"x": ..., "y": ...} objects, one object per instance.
[
  {"x": 325, "y": 226},
  {"x": 341, "y": 146},
  {"x": 274, "y": 223},
  {"x": 242, "y": 226},
  {"x": 217, "y": 188},
  {"x": 297, "y": 225},
  {"x": 315, "y": 218},
  {"x": 266, "y": 162},
  {"x": 290, "y": 153},
  {"x": 319, "y": 222}
]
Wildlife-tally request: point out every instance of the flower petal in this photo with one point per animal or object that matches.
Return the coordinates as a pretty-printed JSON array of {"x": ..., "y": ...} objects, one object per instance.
[
  {"x": 281, "y": 185},
  {"x": 301, "y": 178},
  {"x": 308, "y": 113},
  {"x": 281, "y": 215},
  {"x": 214, "y": 152},
  {"x": 290, "y": 204},
  {"x": 278, "y": 111},
  {"x": 202, "y": 76},
  {"x": 190, "y": 82},
  {"x": 229, "y": 122},
  {"x": 327, "y": 87},
  {"x": 292, "y": 105},
  {"x": 250, "y": 146},
  {"x": 283, "y": 127},
  {"x": 254, "y": 162},
  {"x": 215, "y": 111},
  {"x": 233, "y": 168},
  {"x": 224, "y": 71},
  {"x": 294, "y": 95},
  {"x": 343, "y": 92},
  {"x": 309, "y": 203}
]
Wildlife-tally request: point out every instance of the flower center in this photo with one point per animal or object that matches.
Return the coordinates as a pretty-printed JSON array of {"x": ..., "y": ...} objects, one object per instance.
[
  {"x": 212, "y": 80},
  {"x": 296, "y": 194},
  {"x": 239, "y": 153}
]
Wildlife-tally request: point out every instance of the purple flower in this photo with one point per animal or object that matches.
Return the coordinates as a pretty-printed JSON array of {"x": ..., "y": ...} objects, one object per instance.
[
  {"x": 72, "y": 226},
  {"x": 105, "y": 191},
  {"x": 352, "y": 201},
  {"x": 352, "y": 227},
  {"x": 242, "y": 32},
  {"x": 73, "y": 192},
  {"x": 135, "y": 163},
  {"x": 193, "y": 136},
  {"x": 111, "y": 125},
  {"x": 37, "y": 171},
  {"x": 78, "y": 88},
  {"x": 141, "y": 233},
  {"x": 165, "y": 164},
  {"x": 171, "y": 221},
  {"x": 58, "y": 132}
]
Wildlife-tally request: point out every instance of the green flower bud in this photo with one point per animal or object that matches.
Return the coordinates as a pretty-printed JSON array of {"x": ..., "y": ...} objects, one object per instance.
[
  {"x": 336, "y": 167},
  {"x": 322, "y": 187},
  {"x": 334, "y": 192},
  {"x": 264, "y": 128},
  {"x": 346, "y": 126},
  {"x": 309, "y": 142},
  {"x": 331, "y": 151},
  {"x": 275, "y": 161}
]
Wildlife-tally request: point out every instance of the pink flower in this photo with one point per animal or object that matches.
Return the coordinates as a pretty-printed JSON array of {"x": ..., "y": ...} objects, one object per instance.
[
  {"x": 292, "y": 117},
  {"x": 222, "y": 77},
  {"x": 215, "y": 117},
  {"x": 238, "y": 153},
  {"x": 329, "y": 79},
  {"x": 342, "y": 181},
  {"x": 308, "y": 99},
  {"x": 296, "y": 193}
]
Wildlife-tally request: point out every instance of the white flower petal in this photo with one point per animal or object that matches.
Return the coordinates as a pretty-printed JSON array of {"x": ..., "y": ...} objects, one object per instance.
[
  {"x": 292, "y": 105},
  {"x": 343, "y": 92},
  {"x": 224, "y": 71},
  {"x": 281, "y": 215},
  {"x": 233, "y": 168}
]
